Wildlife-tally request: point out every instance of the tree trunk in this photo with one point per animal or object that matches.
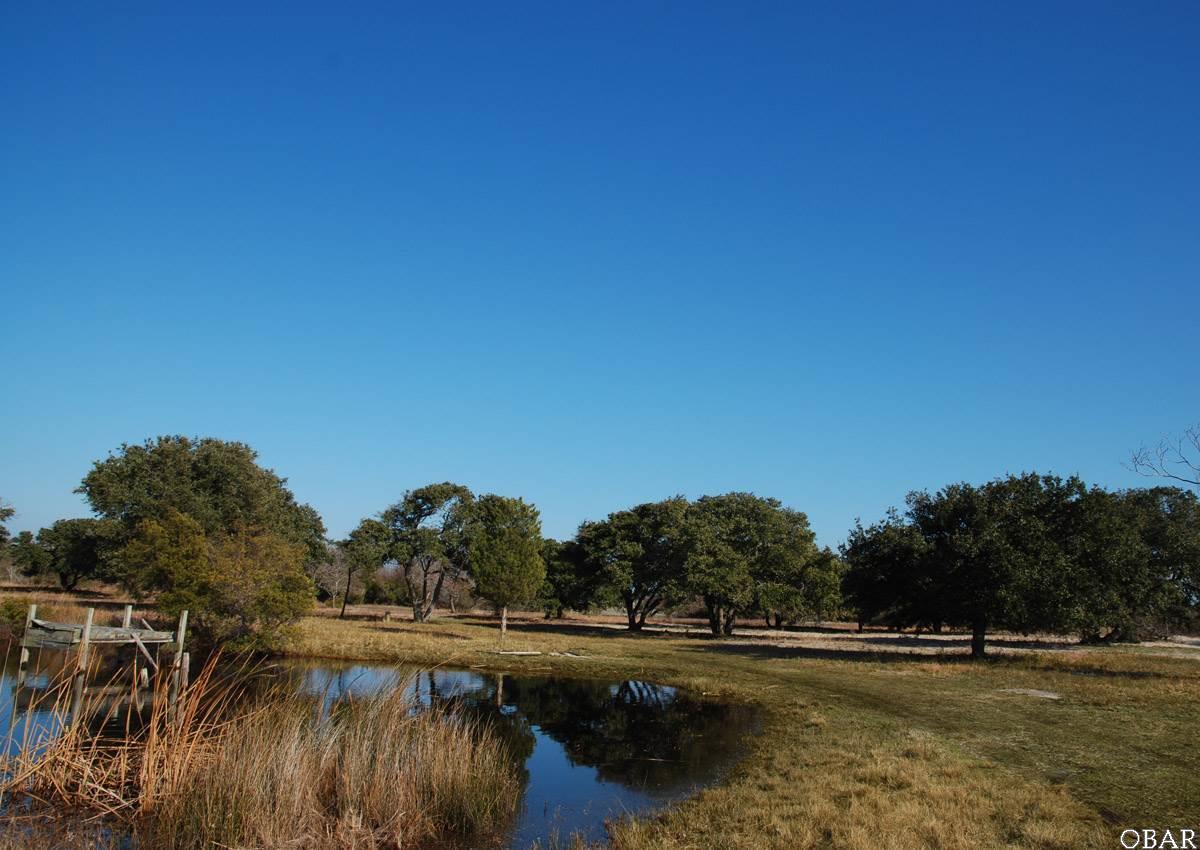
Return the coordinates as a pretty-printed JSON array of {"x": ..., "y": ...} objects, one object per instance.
[
  {"x": 346, "y": 594},
  {"x": 631, "y": 612},
  {"x": 503, "y": 622},
  {"x": 714, "y": 615},
  {"x": 559, "y": 614},
  {"x": 778, "y": 621},
  {"x": 727, "y": 625},
  {"x": 978, "y": 637}
]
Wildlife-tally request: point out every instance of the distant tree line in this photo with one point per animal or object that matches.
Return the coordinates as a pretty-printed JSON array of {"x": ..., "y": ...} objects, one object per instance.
[{"x": 199, "y": 524}]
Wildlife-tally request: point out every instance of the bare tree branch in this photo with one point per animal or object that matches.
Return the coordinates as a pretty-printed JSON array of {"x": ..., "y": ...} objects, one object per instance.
[{"x": 1175, "y": 459}]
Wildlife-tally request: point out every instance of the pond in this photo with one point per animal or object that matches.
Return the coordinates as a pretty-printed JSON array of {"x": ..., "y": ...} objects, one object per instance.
[{"x": 591, "y": 750}]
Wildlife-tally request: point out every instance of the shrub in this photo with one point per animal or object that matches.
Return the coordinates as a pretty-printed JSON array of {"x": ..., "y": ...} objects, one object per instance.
[{"x": 241, "y": 589}]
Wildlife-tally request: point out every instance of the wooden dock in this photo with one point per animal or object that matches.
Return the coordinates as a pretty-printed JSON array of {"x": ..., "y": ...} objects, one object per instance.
[{"x": 81, "y": 637}]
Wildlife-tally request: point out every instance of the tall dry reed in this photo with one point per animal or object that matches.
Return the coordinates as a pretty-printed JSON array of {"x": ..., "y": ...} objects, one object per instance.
[{"x": 277, "y": 772}]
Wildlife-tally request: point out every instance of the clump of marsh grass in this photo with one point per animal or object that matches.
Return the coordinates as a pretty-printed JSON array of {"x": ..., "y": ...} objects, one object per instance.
[
  {"x": 372, "y": 773},
  {"x": 277, "y": 771}
]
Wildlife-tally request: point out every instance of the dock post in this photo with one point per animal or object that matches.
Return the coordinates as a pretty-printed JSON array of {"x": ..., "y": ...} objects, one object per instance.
[
  {"x": 85, "y": 641},
  {"x": 127, "y": 620},
  {"x": 24, "y": 661},
  {"x": 177, "y": 664}
]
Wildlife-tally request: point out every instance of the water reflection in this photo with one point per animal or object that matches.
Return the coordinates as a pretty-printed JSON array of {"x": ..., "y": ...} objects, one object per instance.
[{"x": 590, "y": 750}]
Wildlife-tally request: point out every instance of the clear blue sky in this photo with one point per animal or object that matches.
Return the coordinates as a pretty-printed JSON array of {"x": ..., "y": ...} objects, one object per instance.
[{"x": 597, "y": 254}]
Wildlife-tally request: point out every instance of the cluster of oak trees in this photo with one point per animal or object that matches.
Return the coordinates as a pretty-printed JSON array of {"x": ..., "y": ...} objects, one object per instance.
[
  {"x": 1031, "y": 553},
  {"x": 198, "y": 524},
  {"x": 737, "y": 554}
]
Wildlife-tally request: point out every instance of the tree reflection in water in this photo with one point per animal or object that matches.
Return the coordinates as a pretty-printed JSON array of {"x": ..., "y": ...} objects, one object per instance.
[{"x": 588, "y": 750}]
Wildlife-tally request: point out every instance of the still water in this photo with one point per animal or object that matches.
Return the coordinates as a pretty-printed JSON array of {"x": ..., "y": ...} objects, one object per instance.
[{"x": 591, "y": 751}]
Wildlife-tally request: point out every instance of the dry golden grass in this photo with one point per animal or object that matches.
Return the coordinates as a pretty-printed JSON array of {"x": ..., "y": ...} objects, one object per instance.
[{"x": 874, "y": 751}]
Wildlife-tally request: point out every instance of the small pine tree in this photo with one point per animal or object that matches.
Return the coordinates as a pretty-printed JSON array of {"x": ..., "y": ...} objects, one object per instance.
[{"x": 506, "y": 552}]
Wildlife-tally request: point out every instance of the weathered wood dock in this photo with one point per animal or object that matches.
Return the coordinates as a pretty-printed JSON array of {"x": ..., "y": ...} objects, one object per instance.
[{"x": 81, "y": 637}]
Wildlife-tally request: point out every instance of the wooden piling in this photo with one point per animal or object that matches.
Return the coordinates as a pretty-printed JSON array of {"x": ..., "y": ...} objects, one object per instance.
[
  {"x": 85, "y": 640},
  {"x": 24, "y": 662},
  {"x": 177, "y": 663}
]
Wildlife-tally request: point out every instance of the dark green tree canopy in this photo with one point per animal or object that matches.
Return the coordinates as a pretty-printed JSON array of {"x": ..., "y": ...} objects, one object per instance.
[
  {"x": 77, "y": 549},
  {"x": 881, "y": 583},
  {"x": 1029, "y": 552},
  {"x": 1136, "y": 560},
  {"x": 641, "y": 555},
  {"x": 28, "y": 556},
  {"x": 743, "y": 548},
  {"x": 572, "y": 583},
  {"x": 218, "y": 484}
]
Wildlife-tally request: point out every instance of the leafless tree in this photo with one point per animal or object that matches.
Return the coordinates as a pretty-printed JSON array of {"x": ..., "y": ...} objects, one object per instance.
[
  {"x": 327, "y": 573},
  {"x": 1174, "y": 458}
]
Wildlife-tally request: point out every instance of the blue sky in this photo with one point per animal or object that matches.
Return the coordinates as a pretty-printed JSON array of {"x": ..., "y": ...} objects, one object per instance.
[{"x": 597, "y": 254}]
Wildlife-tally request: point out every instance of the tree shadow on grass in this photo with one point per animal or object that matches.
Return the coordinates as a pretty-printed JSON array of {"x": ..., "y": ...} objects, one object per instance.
[
  {"x": 1043, "y": 661},
  {"x": 553, "y": 627}
]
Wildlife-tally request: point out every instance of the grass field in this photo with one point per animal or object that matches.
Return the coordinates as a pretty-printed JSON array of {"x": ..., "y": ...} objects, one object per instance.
[{"x": 1055, "y": 747}]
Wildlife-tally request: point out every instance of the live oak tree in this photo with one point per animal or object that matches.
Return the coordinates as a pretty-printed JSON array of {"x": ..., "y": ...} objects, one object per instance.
[
  {"x": 571, "y": 582},
  {"x": 882, "y": 583},
  {"x": 744, "y": 553},
  {"x": 1136, "y": 563},
  {"x": 1169, "y": 521},
  {"x": 161, "y": 554},
  {"x": 640, "y": 555},
  {"x": 427, "y": 540},
  {"x": 811, "y": 592},
  {"x": 365, "y": 549},
  {"x": 218, "y": 484},
  {"x": 76, "y": 549},
  {"x": 505, "y": 546},
  {"x": 981, "y": 557}
]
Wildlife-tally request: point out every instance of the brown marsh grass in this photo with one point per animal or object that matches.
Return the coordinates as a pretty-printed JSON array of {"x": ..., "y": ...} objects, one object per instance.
[{"x": 274, "y": 771}]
